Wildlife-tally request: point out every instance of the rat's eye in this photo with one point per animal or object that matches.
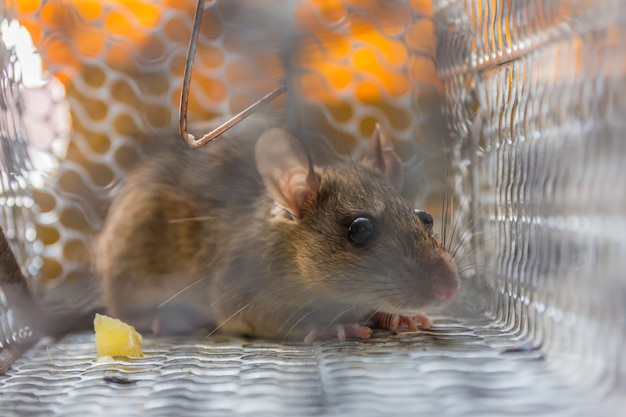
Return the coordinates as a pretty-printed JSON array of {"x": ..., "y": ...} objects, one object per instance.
[
  {"x": 426, "y": 218},
  {"x": 362, "y": 231}
]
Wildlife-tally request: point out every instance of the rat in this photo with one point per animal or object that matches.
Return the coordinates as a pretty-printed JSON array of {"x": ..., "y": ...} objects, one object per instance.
[{"x": 246, "y": 236}]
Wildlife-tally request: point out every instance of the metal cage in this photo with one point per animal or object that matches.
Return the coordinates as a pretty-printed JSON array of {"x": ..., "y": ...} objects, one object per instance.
[{"x": 516, "y": 107}]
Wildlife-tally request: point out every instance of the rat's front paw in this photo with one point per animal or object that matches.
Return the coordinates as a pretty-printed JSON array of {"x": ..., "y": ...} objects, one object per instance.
[
  {"x": 394, "y": 322},
  {"x": 341, "y": 331}
]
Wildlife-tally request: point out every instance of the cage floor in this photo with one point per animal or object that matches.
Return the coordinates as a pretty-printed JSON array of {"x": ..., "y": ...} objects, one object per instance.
[{"x": 469, "y": 368}]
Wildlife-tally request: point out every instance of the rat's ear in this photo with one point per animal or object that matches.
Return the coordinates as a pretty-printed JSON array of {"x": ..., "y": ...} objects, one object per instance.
[
  {"x": 380, "y": 155},
  {"x": 286, "y": 169}
]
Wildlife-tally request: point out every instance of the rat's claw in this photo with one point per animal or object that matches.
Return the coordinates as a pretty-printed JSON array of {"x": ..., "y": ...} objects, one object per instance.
[
  {"x": 424, "y": 320},
  {"x": 394, "y": 322},
  {"x": 357, "y": 331},
  {"x": 313, "y": 335},
  {"x": 341, "y": 331},
  {"x": 410, "y": 323}
]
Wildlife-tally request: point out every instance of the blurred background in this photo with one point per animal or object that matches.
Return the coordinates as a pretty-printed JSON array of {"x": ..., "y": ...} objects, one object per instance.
[{"x": 515, "y": 108}]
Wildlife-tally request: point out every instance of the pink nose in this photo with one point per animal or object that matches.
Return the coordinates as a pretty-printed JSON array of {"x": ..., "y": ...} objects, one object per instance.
[{"x": 444, "y": 292}]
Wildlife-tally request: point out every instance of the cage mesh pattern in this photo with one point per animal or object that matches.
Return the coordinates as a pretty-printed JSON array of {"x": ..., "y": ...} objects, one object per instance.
[{"x": 534, "y": 102}]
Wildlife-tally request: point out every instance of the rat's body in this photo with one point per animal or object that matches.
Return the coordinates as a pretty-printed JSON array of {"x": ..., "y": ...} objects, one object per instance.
[{"x": 202, "y": 239}]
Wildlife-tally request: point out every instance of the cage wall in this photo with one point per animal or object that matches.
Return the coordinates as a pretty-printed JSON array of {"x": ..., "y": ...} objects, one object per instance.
[{"x": 534, "y": 102}]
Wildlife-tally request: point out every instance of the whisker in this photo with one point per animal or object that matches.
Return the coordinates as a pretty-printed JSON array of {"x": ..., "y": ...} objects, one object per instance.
[
  {"x": 296, "y": 324},
  {"x": 479, "y": 266},
  {"x": 256, "y": 300},
  {"x": 458, "y": 247},
  {"x": 458, "y": 217},
  {"x": 461, "y": 249},
  {"x": 473, "y": 219},
  {"x": 331, "y": 322},
  {"x": 371, "y": 316},
  {"x": 292, "y": 315},
  {"x": 465, "y": 260},
  {"x": 459, "y": 260},
  {"x": 189, "y": 219},
  {"x": 444, "y": 205},
  {"x": 450, "y": 187},
  {"x": 212, "y": 332},
  {"x": 196, "y": 282}
]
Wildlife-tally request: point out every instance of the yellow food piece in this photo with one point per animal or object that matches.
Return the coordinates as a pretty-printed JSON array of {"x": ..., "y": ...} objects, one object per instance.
[{"x": 116, "y": 338}]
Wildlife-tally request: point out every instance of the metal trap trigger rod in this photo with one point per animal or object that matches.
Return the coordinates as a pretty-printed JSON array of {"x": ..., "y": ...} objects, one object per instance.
[{"x": 187, "y": 137}]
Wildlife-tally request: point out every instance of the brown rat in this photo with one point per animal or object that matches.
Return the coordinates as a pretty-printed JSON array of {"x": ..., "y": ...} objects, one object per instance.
[{"x": 246, "y": 236}]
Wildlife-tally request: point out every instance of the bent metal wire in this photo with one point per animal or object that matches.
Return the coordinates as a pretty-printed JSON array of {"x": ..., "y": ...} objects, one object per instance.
[{"x": 187, "y": 137}]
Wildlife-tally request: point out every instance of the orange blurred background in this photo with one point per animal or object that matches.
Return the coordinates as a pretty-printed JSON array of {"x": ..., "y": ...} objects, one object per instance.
[{"x": 122, "y": 61}]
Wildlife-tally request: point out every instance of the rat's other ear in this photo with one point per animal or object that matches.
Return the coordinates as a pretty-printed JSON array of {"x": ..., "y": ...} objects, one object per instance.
[
  {"x": 381, "y": 156},
  {"x": 286, "y": 169}
]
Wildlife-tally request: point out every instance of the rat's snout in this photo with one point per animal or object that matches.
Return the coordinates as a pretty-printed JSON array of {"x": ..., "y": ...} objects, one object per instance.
[
  {"x": 444, "y": 292},
  {"x": 445, "y": 281}
]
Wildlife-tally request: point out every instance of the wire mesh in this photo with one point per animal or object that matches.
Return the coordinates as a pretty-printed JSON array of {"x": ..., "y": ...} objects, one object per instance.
[{"x": 534, "y": 102}]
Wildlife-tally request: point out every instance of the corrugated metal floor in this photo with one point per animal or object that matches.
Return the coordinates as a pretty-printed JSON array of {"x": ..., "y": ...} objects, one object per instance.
[{"x": 465, "y": 368}]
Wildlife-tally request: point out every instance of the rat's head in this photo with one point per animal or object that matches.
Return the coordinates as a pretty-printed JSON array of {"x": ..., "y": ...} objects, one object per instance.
[{"x": 357, "y": 239}]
